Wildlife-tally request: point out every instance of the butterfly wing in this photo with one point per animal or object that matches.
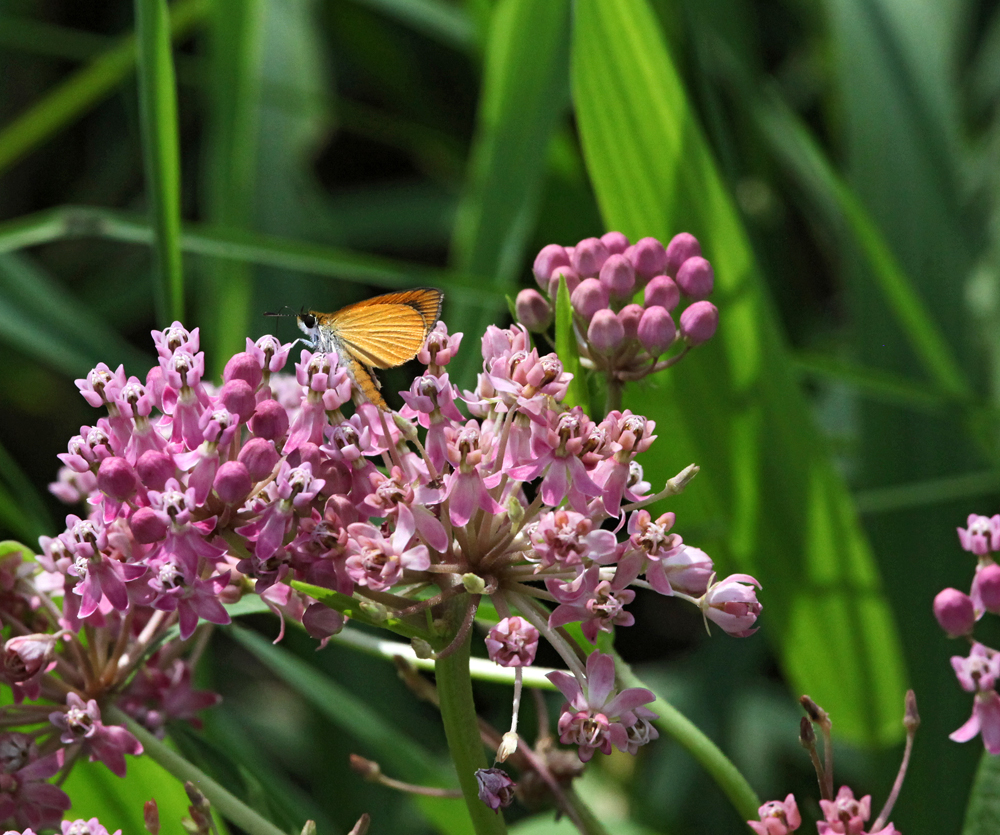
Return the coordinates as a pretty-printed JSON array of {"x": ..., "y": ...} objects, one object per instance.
[{"x": 388, "y": 330}]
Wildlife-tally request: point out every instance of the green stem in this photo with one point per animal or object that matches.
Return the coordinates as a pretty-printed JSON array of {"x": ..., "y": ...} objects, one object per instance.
[
  {"x": 699, "y": 746},
  {"x": 226, "y": 804},
  {"x": 458, "y": 711}
]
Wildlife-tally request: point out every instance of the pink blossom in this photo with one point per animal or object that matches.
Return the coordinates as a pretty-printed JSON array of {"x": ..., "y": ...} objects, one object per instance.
[
  {"x": 376, "y": 562},
  {"x": 496, "y": 789},
  {"x": 512, "y": 642},
  {"x": 777, "y": 817},
  {"x": 86, "y": 827},
  {"x": 982, "y": 534},
  {"x": 26, "y": 796},
  {"x": 978, "y": 674},
  {"x": 844, "y": 815}
]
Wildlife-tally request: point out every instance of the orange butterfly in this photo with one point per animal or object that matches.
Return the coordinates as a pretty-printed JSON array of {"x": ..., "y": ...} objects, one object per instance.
[{"x": 382, "y": 332}]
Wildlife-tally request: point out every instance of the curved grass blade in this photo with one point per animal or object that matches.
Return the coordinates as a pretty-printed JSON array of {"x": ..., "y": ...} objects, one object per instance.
[{"x": 735, "y": 408}]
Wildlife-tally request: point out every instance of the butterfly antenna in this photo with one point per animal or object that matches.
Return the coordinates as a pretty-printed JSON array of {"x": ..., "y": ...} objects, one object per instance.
[{"x": 290, "y": 313}]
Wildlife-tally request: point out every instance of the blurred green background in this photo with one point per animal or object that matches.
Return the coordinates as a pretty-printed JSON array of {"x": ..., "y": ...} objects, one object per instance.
[{"x": 838, "y": 161}]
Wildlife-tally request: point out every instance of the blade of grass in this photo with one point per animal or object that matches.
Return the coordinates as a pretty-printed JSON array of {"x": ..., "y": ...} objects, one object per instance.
[
  {"x": 21, "y": 508},
  {"x": 68, "y": 222},
  {"x": 231, "y": 165},
  {"x": 734, "y": 407},
  {"x": 444, "y": 22},
  {"x": 161, "y": 151},
  {"x": 85, "y": 88},
  {"x": 524, "y": 95}
]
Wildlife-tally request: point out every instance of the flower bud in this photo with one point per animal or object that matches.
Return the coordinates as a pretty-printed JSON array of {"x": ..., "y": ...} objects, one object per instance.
[
  {"x": 629, "y": 316},
  {"x": 547, "y": 261},
  {"x": 270, "y": 420},
  {"x": 154, "y": 468},
  {"x": 243, "y": 366},
  {"x": 662, "y": 291},
  {"x": 26, "y": 655},
  {"x": 147, "y": 526},
  {"x": 232, "y": 482},
  {"x": 513, "y": 642},
  {"x": 259, "y": 457},
  {"x": 648, "y": 257},
  {"x": 656, "y": 330},
  {"x": 116, "y": 478},
  {"x": 605, "y": 333},
  {"x": 954, "y": 612},
  {"x": 589, "y": 297},
  {"x": 681, "y": 247},
  {"x": 321, "y": 621},
  {"x": 987, "y": 583},
  {"x": 618, "y": 276},
  {"x": 533, "y": 311},
  {"x": 696, "y": 278},
  {"x": 238, "y": 397},
  {"x": 698, "y": 323},
  {"x": 588, "y": 257},
  {"x": 572, "y": 281},
  {"x": 496, "y": 789},
  {"x": 616, "y": 242}
]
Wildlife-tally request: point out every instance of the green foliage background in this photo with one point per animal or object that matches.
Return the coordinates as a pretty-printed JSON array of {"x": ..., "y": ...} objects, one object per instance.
[{"x": 836, "y": 158}]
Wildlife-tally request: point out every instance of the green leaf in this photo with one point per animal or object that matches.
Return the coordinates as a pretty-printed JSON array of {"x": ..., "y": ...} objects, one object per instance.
[
  {"x": 524, "y": 95},
  {"x": 391, "y": 746},
  {"x": 734, "y": 406},
  {"x": 566, "y": 347},
  {"x": 84, "y": 89},
  {"x": 161, "y": 151},
  {"x": 982, "y": 815},
  {"x": 21, "y": 508}
]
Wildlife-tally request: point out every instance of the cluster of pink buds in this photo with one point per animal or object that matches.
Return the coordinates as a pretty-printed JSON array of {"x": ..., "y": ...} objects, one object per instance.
[
  {"x": 617, "y": 336},
  {"x": 195, "y": 494},
  {"x": 958, "y": 613},
  {"x": 843, "y": 814}
]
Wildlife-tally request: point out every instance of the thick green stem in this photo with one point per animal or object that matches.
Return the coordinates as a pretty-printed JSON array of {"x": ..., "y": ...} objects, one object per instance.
[{"x": 458, "y": 711}]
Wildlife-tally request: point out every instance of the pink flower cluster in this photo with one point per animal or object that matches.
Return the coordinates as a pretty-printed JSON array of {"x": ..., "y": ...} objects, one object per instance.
[
  {"x": 844, "y": 815},
  {"x": 617, "y": 335},
  {"x": 958, "y": 613},
  {"x": 77, "y": 827},
  {"x": 195, "y": 494}
]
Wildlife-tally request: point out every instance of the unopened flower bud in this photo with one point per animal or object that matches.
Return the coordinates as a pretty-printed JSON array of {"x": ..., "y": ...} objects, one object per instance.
[
  {"x": 151, "y": 817},
  {"x": 616, "y": 242},
  {"x": 154, "y": 469},
  {"x": 571, "y": 278},
  {"x": 496, "y": 789},
  {"x": 421, "y": 648},
  {"x": 321, "y": 621},
  {"x": 696, "y": 278},
  {"x": 588, "y": 257},
  {"x": 589, "y": 297},
  {"x": 474, "y": 584},
  {"x": 259, "y": 457},
  {"x": 376, "y": 611},
  {"x": 987, "y": 583},
  {"x": 955, "y": 612},
  {"x": 605, "y": 333},
  {"x": 656, "y": 330},
  {"x": 698, "y": 323},
  {"x": 243, "y": 366},
  {"x": 662, "y": 291},
  {"x": 508, "y": 745},
  {"x": 25, "y": 655},
  {"x": 547, "y": 262},
  {"x": 147, "y": 526},
  {"x": 238, "y": 397},
  {"x": 682, "y": 246},
  {"x": 116, "y": 478},
  {"x": 232, "y": 482},
  {"x": 648, "y": 257},
  {"x": 270, "y": 420},
  {"x": 629, "y": 316},
  {"x": 618, "y": 276},
  {"x": 533, "y": 311}
]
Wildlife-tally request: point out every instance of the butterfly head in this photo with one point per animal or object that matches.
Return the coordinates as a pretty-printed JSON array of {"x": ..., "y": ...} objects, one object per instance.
[{"x": 309, "y": 325}]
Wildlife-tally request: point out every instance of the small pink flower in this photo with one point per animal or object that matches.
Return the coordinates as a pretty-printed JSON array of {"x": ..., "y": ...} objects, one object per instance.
[
  {"x": 955, "y": 612},
  {"x": 496, "y": 789},
  {"x": 981, "y": 535},
  {"x": 844, "y": 815},
  {"x": 512, "y": 642},
  {"x": 978, "y": 674},
  {"x": 81, "y": 722},
  {"x": 777, "y": 817},
  {"x": 86, "y": 827}
]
